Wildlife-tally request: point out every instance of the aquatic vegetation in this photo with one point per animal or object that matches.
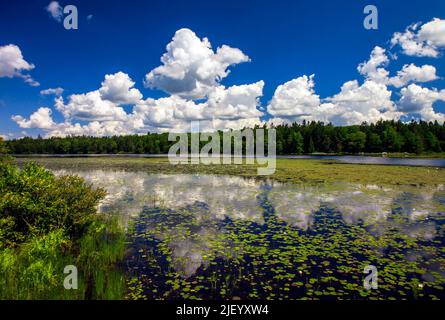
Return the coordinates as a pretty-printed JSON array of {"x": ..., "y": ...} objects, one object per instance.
[
  {"x": 184, "y": 249},
  {"x": 198, "y": 236},
  {"x": 288, "y": 170},
  {"x": 174, "y": 256}
]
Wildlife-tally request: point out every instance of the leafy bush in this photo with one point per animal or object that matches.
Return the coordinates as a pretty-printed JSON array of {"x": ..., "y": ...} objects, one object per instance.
[
  {"x": 47, "y": 223},
  {"x": 34, "y": 202}
]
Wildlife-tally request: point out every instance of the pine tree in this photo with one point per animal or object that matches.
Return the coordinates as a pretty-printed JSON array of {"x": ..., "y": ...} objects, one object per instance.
[{"x": 299, "y": 143}]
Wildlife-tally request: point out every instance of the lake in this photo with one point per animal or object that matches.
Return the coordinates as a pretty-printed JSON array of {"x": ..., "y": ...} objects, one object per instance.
[
  {"x": 377, "y": 160},
  {"x": 440, "y": 163},
  {"x": 228, "y": 237}
]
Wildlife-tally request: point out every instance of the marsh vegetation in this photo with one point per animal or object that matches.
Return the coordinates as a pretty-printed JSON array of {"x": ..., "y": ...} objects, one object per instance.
[
  {"x": 50, "y": 222},
  {"x": 307, "y": 232}
]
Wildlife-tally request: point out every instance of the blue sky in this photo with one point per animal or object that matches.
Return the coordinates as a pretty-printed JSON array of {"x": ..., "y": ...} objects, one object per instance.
[{"x": 283, "y": 39}]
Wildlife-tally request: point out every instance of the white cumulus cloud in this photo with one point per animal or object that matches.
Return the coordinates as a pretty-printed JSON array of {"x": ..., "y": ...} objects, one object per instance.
[
  {"x": 373, "y": 69},
  {"x": 40, "y": 119},
  {"x": 412, "y": 73},
  {"x": 12, "y": 64},
  {"x": 104, "y": 104},
  {"x": 422, "y": 40},
  {"x": 356, "y": 103},
  {"x": 295, "y": 99},
  {"x": 118, "y": 88},
  {"x": 190, "y": 68},
  {"x": 90, "y": 107},
  {"x": 191, "y": 73},
  {"x": 419, "y": 100}
]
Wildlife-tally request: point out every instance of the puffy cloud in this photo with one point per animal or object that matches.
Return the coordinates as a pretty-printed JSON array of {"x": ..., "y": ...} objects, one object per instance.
[
  {"x": 235, "y": 102},
  {"x": 167, "y": 113},
  {"x": 356, "y": 103},
  {"x": 419, "y": 100},
  {"x": 412, "y": 73},
  {"x": 40, "y": 119},
  {"x": 234, "y": 107},
  {"x": 422, "y": 41},
  {"x": 90, "y": 107},
  {"x": 103, "y": 104},
  {"x": 55, "y": 10},
  {"x": 433, "y": 32},
  {"x": 95, "y": 128},
  {"x": 294, "y": 99},
  {"x": 12, "y": 64},
  {"x": 190, "y": 68},
  {"x": 118, "y": 88},
  {"x": 191, "y": 72},
  {"x": 297, "y": 101},
  {"x": 373, "y": 69},
  {"x": 52, "y": 91}
]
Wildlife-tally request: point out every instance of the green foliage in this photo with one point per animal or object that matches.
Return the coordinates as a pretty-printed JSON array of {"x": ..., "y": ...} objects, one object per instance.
[
  {"x": 374, "y": 143},
  {"x": 392, "y": 140},
  {"x": 3, "y": 149},
  {"x": 356, "y": 141},
  {"x": 309, "y": 137},
  {"x": 47, "y": 223},
  {"x": 34, "y": 202},
  {"x": 298, "y": 141},
  {"x": 35, "y": 269}
]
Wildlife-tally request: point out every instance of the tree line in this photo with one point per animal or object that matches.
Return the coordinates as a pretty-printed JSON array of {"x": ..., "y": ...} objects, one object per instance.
[{"x": 304, "y": 138}]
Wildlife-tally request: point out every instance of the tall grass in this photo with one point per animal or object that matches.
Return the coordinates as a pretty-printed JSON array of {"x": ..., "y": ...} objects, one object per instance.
[
  {"x": 48, "y": 223},
  {"x": 35, "y": 269}
]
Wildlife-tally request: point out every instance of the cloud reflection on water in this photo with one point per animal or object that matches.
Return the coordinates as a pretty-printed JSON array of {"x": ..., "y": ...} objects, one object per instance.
[{"x": 214, "y": 198}]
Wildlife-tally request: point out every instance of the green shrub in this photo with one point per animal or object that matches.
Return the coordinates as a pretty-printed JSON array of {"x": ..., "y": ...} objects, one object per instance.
[
  {"x": 34, "y": 202},
  {"x": 47, "y": 223}
]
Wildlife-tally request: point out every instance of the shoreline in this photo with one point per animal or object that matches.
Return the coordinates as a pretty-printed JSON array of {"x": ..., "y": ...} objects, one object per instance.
[{"x": 440, "y": 155}]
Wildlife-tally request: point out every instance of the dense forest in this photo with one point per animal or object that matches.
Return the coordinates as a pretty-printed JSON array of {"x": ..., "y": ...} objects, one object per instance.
[{"x": 304, "y": 138}]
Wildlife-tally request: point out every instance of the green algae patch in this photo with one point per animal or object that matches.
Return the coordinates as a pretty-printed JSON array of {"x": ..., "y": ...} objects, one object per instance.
[{"x": 288, "y": 170}]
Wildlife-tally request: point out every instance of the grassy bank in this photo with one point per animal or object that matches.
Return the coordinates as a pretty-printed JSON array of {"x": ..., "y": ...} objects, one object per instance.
[
  {"x": 48, "y": 223},
  {"x": 288, "y": 170}
]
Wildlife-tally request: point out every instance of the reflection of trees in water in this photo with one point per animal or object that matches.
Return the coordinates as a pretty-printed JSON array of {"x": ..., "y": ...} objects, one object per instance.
[{"x": 199, "y": 218}]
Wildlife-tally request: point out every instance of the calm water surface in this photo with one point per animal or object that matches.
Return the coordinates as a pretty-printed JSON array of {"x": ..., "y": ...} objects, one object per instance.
[
  {"x": 227, "y": 237},
  {"x": 440, "y": 163},
  {"x": 378, "y": 160}
]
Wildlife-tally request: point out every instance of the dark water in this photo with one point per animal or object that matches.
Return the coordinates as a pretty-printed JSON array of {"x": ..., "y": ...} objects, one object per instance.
[
  {"x": 226, "y": 237},
  {"x": 378, "y": 160},
  {"x": 345, "y": 159}
]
